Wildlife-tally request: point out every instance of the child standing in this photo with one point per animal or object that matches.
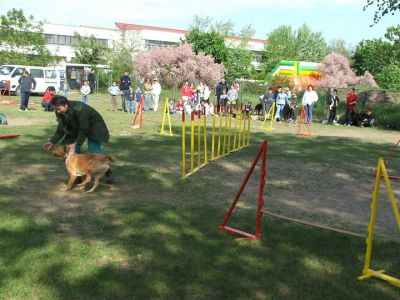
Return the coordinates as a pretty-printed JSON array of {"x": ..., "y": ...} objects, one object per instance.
[
  {"x": 131, "y": 100},
  {"x": 66, "y": 88},
  {"x": 85, "y": 91},
  {"x": 138, "y": 97},
  {"x": 114, "y": 91}
]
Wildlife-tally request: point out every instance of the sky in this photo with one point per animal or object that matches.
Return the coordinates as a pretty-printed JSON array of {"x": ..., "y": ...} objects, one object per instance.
[{"x": 336, "y": 19}]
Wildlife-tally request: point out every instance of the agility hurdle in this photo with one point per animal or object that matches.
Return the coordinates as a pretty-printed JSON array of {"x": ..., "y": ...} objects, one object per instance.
[
  {"x": 165, "y": 113},
  {"x": 230, "y": 137},
  {"x": 139, "y": 111},
  {"x": 303, "y": 117},
  {"x": 271, "y": 116},
  {"x": 367, "y": 272},
  {"x": 262, "y": 154}
]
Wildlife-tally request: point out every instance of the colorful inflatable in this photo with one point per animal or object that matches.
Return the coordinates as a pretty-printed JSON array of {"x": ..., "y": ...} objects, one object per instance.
[{"x": 302, "y": 73}]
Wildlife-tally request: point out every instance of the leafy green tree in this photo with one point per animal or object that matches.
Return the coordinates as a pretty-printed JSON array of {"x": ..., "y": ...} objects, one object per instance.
[
  {"x": 384, "y": 7},
  {"x": 309, "y": 45},
  {"x": 210, "y": 43},
  {"x": 389, "y": 77},
  {"x": 22, "y": 41},
  {"x": 284, "y": 43},
  {"x": 88, "y": 50},
  {"x": 372, "y": 55},
  {"x": 213, "y": 38},
  {"x": 238, "y": 63},
  {"x": 280, "y": 46}
]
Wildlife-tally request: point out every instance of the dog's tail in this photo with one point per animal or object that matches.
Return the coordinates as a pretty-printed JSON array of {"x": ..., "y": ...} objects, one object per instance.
[{"x": 110, "y": 158}]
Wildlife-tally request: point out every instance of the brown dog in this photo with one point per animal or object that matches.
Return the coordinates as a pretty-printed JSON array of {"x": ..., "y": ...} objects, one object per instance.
[{"x": 88, "y": 165}]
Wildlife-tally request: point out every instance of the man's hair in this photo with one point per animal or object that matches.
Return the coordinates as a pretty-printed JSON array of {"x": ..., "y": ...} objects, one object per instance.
[
  {"x": 59, "y": 100},
  {"x": 51, "y": 89},
  {"x": 335, "y": 90}
]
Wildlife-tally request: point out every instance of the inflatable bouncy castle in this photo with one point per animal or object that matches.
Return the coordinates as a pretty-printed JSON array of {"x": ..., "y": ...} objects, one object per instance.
[{"x": 301, "y": 73}]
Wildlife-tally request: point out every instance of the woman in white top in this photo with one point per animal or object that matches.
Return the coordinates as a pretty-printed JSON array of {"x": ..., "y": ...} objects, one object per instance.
[{"x": 309, "y": 98}]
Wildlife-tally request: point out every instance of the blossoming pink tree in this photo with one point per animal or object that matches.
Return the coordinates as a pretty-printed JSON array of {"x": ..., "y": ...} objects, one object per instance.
[
  {"x": 175, "y": 65},
  {"x": 336, "y": 73}
]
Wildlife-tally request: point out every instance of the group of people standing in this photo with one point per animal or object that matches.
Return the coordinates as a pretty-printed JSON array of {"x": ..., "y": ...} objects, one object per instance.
[{"x": 131, "y": 95}]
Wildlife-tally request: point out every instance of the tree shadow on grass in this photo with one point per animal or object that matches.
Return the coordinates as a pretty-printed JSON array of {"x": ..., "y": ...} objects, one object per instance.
[{"x": 153, "y": 235}]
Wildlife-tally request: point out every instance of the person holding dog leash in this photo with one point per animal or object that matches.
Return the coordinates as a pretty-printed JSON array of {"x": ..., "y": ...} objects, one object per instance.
[{"x": 77, "y": 122}]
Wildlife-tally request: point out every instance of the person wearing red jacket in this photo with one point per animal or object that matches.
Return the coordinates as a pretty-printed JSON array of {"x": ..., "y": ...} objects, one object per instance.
[
  {"x": 351, "y": 102},
  {"x": 186, "y": 91},
  {"x": 46, "y": 100}
]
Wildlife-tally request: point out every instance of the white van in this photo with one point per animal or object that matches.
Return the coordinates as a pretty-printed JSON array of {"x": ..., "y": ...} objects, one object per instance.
[{"x": 44, "y": 77}]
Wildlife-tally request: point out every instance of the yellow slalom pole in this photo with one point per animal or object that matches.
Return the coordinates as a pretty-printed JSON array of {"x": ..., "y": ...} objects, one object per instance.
[
  {"x": 183, "y": 146},
  {"x": 191, "y": 142},
  {"x": 219, "y": 132},
  {"x": 229, "y": 130},
  {"x": 163, "y": 119},
  {"x": 213, "y": 136},
  {"x": 235, "y": 130},
  {"x": 240, "y": 128},
  {"x": 205, "y": 138},
  {"x": 169, "y": 117},
  {"x": 244, "y": 127},
  {"x": 198, "y": 140},
  {"x": 225, "y": 128}
]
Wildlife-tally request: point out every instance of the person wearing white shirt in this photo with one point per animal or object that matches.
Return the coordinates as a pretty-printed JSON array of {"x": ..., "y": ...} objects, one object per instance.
[
  {"x": 309, "y": 98},
  {"x": 155, "y": 93},
  {"x": 206, "y": 93}
]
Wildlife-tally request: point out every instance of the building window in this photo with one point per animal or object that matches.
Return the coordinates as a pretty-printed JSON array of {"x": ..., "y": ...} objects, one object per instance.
[
  {"x": 61, "y": 39},
  {"x": 152, "y": 43}
]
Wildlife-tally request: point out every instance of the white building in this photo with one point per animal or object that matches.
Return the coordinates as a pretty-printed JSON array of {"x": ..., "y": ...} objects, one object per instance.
[{"x": 61, "y": 37}]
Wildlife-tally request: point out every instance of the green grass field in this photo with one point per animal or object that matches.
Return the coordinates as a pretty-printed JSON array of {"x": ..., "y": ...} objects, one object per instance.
[{"x": 151, "y": 235}]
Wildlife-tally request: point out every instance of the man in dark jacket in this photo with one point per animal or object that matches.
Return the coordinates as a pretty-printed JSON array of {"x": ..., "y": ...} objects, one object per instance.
[
  {"x": 92, "y": 81},
  {"x": 222, "y": 86},
  {"x": 124, "y": 84},
  {"x": 26, "y": 84},
  {"x": 77, "y": 122}
]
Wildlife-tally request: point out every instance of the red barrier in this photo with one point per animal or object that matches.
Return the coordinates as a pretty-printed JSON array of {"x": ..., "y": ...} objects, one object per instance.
[
  {"x": 262, "y": 153},
  {"x": 303, "y": 117}
]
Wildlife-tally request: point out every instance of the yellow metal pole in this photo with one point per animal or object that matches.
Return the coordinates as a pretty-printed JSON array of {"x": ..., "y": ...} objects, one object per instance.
[
  {"x": 213, "y": 136},
  {"x": 371, "y": 226},
  {"x": 163, "y": 119},
  {"x": 244, "y": 127},
  {"x": 198, "y": 140},
  {"x": 240, "y": 128},
  {"x": 191, "y": 142},
  {"x": 225, "y": 129},
  {"x": 169, "y": 117},
  {"x": 235, "y": 130},
  {"x": 205, "y": 138},
  {"x": 390, "y": 193},
  {"x": 183, "y": 146},
  {"x": 219, "y": 132},
  {"x": 229, "y": 130}
]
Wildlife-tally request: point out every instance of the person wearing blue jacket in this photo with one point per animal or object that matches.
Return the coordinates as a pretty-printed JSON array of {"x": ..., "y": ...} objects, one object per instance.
[{"x": 280, "y": 100}]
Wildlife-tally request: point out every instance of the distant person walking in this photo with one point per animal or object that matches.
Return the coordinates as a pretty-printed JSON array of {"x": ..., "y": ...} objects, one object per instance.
[
  {"x": 124, "y": 84},
  {"x": 155, "y": 93},
  {"x": 221, "y": 87},
  {"x": 92, "y": 81},
  {"x": 147, "y": 94},
  {"x": 26, "y": 84}
]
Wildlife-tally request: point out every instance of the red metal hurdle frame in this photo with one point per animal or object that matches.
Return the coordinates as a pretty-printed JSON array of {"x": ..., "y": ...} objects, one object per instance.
[
  {"x": 262, "y": 153},
  {"x": 303, "y": 117}
]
